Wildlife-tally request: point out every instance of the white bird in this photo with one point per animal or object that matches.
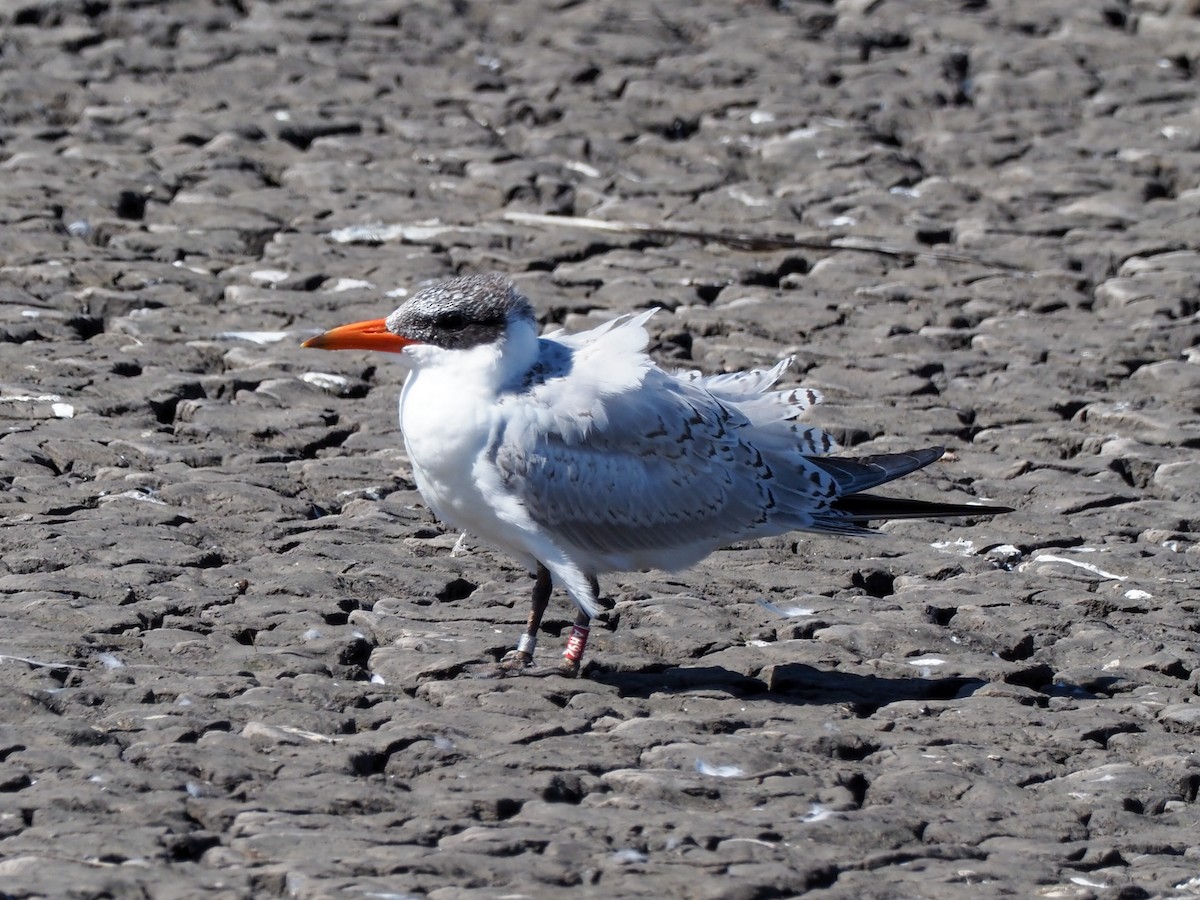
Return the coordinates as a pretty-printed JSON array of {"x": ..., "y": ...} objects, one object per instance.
[{"x": 578, "y": 455}]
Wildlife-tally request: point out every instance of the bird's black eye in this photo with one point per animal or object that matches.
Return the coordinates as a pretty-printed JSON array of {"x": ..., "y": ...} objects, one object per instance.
[{"x": 451, "y": 321}]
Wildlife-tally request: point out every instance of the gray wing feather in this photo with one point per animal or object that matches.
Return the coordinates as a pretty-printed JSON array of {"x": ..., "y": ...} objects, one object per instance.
[
  {"x": 661, "y": 468},
  {"x": 640, "y": 468}
]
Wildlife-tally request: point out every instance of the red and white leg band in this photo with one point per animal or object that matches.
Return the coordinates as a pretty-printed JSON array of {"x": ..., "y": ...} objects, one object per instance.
[{"x": 576, "y": 641}]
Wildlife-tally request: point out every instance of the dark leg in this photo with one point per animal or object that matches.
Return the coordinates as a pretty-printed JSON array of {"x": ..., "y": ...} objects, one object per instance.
[
  {"x": 518, "y": 659},
  {"x": 578, "y": 636}
]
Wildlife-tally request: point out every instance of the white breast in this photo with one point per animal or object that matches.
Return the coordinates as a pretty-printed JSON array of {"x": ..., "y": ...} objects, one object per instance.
[
  {"x": 449, "y": 423},
  {"x": 445, "y": 434}
]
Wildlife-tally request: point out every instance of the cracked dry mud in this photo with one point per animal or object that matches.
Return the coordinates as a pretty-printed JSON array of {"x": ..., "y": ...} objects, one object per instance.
[{"x": 234, "y": 644}]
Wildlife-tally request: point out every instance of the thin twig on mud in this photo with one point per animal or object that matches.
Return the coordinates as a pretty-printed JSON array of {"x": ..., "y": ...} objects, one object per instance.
[{"x": 743, "y": 240}]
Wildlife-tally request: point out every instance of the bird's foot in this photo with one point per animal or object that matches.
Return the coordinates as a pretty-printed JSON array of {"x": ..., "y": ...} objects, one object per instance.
[
  {"x": 503, "y": 670},
  {"x": 520, "y": 662},
  {"x": 516, "y": 660}
]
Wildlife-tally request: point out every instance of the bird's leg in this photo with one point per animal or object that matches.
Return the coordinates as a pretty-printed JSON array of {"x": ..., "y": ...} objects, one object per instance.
[
  {"x": 518, "y": 659},
  {"x": 572, "y": 656}
]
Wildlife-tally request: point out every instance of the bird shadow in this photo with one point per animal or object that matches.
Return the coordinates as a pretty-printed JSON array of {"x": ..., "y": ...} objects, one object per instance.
[{"x": 791, "y": 683}]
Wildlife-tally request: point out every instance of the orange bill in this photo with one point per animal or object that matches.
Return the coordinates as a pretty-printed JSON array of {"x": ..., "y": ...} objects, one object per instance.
[{"x": 369, "y": 335}]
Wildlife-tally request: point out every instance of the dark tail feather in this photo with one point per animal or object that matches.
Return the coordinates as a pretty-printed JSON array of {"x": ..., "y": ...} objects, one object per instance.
[
  {"x": 865, "y": 507},
  {"x": 852, "y": 509},
  {"x": 865, "y": 472}
]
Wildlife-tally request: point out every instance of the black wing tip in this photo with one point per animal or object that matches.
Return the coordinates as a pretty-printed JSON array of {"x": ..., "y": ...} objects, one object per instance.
[
  {"x": 870, "y": 507},
  {"x": 861, "y": 473}
]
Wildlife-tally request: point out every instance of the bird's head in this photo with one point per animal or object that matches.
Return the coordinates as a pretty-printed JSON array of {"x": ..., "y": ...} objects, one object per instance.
[{"x": 478, "y": 311}]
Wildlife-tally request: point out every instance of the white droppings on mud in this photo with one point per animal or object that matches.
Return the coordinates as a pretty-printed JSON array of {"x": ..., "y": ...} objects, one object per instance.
[
  {"x": 959, "y": 547},
  {"x": 254, "y": 337},
  {"x": 30, "y": 398},
  {"x": 817, "y": 812},
  {"x": 141, "y": 496},
  {"x": 380, "y": 233},
  {"x": 1087, "y": 567},
  {"x": 706, "y": 768},
  {"x": 350, "y": 284},
  {"x": 790, "y": 612},
  {"x": 582, "y": 168},
  {"x": 326, "y": 381}
]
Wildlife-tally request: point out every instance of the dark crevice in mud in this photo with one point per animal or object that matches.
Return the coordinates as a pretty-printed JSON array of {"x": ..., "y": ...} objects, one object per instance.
[
  {"x": 847, "y": 747},
  {"x": 1189, "y": 787},
  {"x": 356, "y": 654},
  {"x": 1102, "y": 735},
  {"x": 165, "y": 404},
  {"x": 254, "y": 243},
  {"x": 858, "y": 785},
  {"x": 345, "y": 607},
  {"x": 1099, "y": 503},
  {"x": 877, "y": 583},
  {"x": 130, "y": 205},
  {"x": 566, "y": 788},
  {"x": 86, "y": 327},
  {"x": 14, "y": 783},
  {"x": 1105, "y": 860},
  {"x": 1036, "y": 677},
  {"x": 1022, "y": 650},
  {"x": 848, "y": 436},
  {"x": 934, "y": 236},
  {"x": 1050, "y": 544},
  {"x": 316, "y": 511},
  {"x": 301, "y": 135},
  {"x": 678, "y": 129},
  {"x": 590, "y": 251},
  {"x": 881, "y": 40},
  {"x": 457, "y": 589},
  {"x": 245, "y": 636},
  {"x": 676, "y": 346},
  {"x": 1141, "y": 477},
  {"x": 191, "y": 847},
  {"x": 819, "y": 878},
  {"x": 791, "y": 265},
  {"x": 20, "y": 334},
  {"x": 335, "y": 437},
  {"x": 952, "y": 688},
  {"x": 209, "y": 560},
  {"x": 1067, "y": 410},
  {"x": 941, "y": 615}
]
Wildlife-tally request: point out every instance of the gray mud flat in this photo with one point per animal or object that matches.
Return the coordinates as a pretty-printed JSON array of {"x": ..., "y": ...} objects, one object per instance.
[{"x": 235, "y": 644}]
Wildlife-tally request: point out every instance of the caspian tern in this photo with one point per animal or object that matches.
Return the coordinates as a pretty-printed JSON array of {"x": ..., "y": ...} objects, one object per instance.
[{"x": 579, "y": 456}]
